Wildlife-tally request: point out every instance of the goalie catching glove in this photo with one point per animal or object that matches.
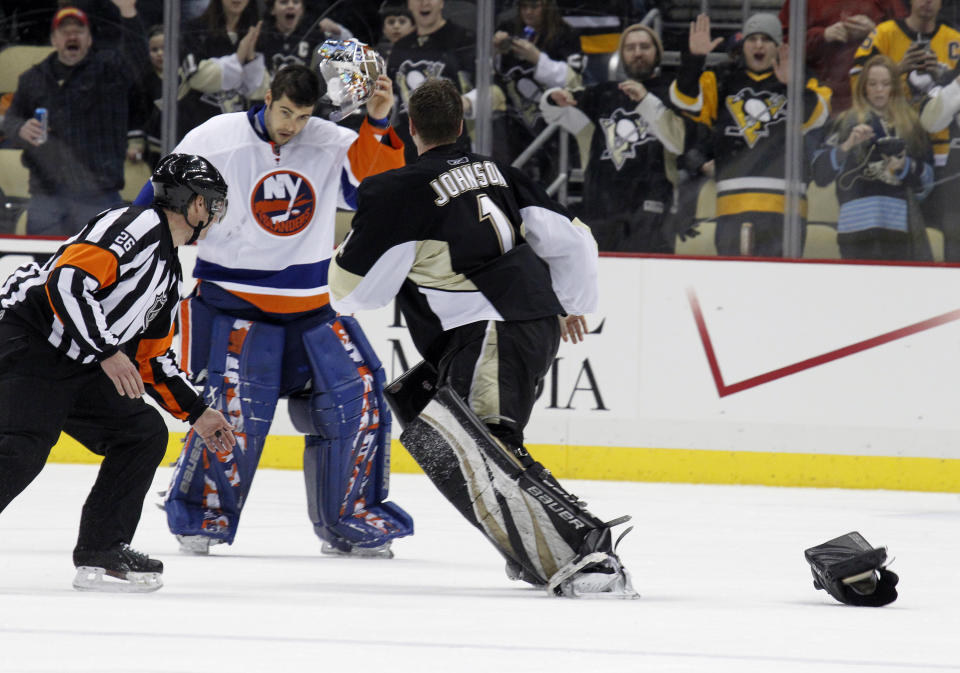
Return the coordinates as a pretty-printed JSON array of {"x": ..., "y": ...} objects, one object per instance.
[{"x": 852, "y": 571}]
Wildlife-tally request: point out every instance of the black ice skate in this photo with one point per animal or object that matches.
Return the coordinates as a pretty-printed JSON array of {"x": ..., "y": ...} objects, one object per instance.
[{"x": 119, "y": 569}]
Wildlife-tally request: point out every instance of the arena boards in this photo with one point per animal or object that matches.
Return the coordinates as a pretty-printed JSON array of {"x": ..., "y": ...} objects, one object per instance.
[{"x": 721, "y": 371}]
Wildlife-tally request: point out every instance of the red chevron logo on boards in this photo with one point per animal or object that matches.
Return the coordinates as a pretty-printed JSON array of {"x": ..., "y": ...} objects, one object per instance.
[{"x": 724, "y": 389}]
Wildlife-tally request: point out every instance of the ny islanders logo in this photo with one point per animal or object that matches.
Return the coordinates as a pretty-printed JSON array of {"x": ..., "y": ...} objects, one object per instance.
[{"x": 283, "y": 203}]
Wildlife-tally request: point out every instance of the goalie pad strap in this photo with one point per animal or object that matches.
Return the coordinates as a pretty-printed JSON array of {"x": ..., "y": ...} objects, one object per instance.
[
  {"x": 526, "y": 514},
  {"x": 573, "y": 568},
  {"x": 208, "y": 488},
  {"x": 347, "y": 455}
]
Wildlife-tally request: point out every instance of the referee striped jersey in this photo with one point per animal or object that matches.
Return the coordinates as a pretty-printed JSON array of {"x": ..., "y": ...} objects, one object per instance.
[{"x": 115, "y": 286}]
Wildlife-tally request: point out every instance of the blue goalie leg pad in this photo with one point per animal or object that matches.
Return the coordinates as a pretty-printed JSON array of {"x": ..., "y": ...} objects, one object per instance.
[
  {"x": 209, "y": 488},
  {"x": 347, "y": 455},
  {"x": 351, "y": 521}
]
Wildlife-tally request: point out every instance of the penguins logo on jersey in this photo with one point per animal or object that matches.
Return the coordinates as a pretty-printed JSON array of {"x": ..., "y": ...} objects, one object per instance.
[
  {"x": 280, "y": 60},
  {"x": 226, "y": 101},
  {"x": 412, "y": 74},
  {"x": 524, "y": 93},
  {"x": 622, "y": 132},
  {"x": 283, "y": 202},
  {"x": 753, "y": 112}
]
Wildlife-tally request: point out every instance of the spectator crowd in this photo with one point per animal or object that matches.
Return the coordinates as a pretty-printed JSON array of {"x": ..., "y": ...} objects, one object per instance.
[{"x": 658, "y": 132}]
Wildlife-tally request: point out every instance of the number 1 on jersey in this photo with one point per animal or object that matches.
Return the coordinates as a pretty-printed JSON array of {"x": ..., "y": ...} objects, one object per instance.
[{"x": 498, "y": 220}]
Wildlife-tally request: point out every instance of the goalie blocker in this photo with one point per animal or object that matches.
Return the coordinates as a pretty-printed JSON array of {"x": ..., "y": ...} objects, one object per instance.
[
  {"x": 547, "y": 535},
  {"x": 853, "y": 571}
]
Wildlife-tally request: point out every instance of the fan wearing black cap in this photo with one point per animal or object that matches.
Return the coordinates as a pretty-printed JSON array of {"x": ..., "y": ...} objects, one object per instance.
[{"x": 82, "y": 338}]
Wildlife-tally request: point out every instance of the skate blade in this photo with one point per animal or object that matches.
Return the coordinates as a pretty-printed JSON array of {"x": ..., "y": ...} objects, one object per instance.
[
  {"x": 383, "y": 551},
  {"x": 89, "y": 578}
]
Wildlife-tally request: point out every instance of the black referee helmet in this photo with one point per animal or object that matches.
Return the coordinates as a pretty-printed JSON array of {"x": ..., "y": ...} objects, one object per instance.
[{"x": 180, "y": 177}]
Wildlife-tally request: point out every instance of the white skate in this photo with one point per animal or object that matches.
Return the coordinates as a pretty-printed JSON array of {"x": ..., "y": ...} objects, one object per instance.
[
  {"x": 596, "y": 575},
  {"x": 198, "y": 545},
  {"x": 383, "y": 551}
]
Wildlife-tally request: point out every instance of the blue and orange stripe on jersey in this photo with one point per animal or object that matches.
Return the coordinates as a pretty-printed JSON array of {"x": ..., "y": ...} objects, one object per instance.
[{"x": 295, "y": 289}]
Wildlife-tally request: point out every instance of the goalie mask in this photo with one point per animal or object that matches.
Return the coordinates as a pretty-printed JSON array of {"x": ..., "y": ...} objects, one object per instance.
[{"x": 350, "y": 69}]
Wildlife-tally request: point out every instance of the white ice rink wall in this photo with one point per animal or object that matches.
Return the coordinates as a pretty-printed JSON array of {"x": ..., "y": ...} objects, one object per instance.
[{"x": 718, "y": 371}]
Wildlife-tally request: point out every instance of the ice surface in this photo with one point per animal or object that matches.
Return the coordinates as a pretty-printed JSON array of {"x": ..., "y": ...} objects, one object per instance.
[{"x": 720, "y": 569}]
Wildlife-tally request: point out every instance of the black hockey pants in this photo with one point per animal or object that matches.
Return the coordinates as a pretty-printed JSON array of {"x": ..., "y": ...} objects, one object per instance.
[
  {"x": 43, "y": 392},
  {"x": 498, "y": 367}
]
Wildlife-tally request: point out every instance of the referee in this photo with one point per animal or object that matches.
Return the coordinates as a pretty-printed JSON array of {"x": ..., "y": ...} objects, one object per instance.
[{"x": 82, "y": 338}]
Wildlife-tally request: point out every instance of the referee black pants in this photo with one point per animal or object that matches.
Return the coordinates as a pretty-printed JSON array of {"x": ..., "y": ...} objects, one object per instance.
[
  {"x": 43, "y": 392},
  {"x": 498, "y": 367}
]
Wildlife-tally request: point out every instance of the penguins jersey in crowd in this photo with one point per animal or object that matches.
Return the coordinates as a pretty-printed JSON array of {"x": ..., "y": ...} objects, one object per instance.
[
  {"x": 115, "y": 286},
  {"x": 273, "y": 246},
  {"x": 629, "y": 164},
  {"x": 870, "y": 196},
  {"x": 280, "y": 50},
  {"x": 212, "y": 79},
  {"x": 471, "y": 240},
  {"x": 747, "y": 112},
  {"x": 893, "y": 38},
  {"x": 939, "y": 110},
  {"x": 448, "y": 53},
  {"x": 296, "y": 48},
  {"x": 560, "y": 65}
]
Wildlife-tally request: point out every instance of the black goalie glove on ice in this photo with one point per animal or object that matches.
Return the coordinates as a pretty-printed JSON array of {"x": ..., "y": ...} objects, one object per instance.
[{"x": 852, "y": 571}]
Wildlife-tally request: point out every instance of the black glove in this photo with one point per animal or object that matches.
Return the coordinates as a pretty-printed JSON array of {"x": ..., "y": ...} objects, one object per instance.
[
  {"x": 692, "y": 160},
  {"x": 852, "y": 571}
]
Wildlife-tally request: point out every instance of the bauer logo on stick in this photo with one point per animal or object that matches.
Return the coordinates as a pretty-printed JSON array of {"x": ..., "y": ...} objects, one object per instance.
[{"x": 283, "y": 203}]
